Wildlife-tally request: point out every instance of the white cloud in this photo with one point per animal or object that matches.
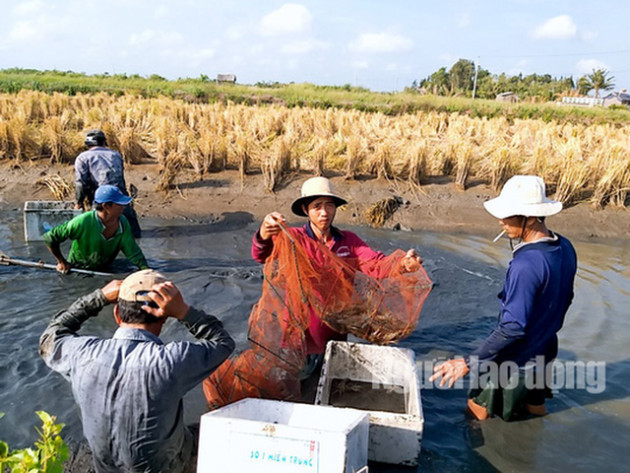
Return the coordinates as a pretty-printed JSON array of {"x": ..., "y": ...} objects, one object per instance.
[
  {"x": 141, "y": 38},
  {"x": 586, "y": 66},
  {"x": 448, "y": 58},
  {"x": 398, "y": 68},
  {"x": 170, "y": 46},
  {"x": 235, "y": 33},
  {"x": 258, "y": 50},
  {"x": 303, "y": 47},
  {"x": 194, "y": 57},
  {"x": 289, "y": 18},
  {"x": 380, "y": 43},
  {"x": 360, "y": 64},
  {"x": 162, "y": 38},
  {"x": 25, "y": 31},
  {"x": 588, "y": 35},
  {"x": 559, "y": 27},
  {"x": 39, "y": 32},
  {"x": 463, "y": 21},
  {"x": 184, "y": 56},
  {"x": 161, "y": 12},
  {"x": 238, "y": 60},
  {"x": 28, "y": 8},
  {"x": 522, "y": 66},
  {"x": 205, "y": 53}
]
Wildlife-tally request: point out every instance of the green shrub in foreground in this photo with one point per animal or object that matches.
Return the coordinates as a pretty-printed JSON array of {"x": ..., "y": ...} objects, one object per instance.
[{"x": 48, "y": 456}]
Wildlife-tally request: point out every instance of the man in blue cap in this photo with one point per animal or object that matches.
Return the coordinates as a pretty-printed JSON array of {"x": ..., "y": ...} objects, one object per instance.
[
  {"x": 99, "y": 166},
  {"x": 98, "y": 235}
]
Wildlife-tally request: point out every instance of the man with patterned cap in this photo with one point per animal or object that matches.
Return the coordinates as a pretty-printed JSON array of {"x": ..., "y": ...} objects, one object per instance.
[
  {"x": 99, "y": 166},
  {"x": 536, "y": 295},
  {"x": 129, "y": 388},
  {"x": 98, "y": 235}
]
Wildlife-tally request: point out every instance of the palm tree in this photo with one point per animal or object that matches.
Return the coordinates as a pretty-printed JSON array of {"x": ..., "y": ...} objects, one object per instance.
[
  {"x": 600, "y": 79},
  {"x": 584, "y": 85}
]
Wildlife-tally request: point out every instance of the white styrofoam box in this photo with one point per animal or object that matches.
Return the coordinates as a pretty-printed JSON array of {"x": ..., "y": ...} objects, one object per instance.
[
  {"x": 282, "y": 437},
  {"x": 41, "y": 216},
  {"x": 395, "y": 437}
]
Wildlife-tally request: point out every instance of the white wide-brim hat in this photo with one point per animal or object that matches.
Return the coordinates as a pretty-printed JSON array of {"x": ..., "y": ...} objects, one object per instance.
[
  {"x": 523, "y": 195},
  {"x": 314, "y": 188}
]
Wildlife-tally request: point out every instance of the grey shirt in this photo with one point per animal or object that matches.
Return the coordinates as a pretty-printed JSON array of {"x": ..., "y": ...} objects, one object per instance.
[
  {"x": 96, "y": 167},
  {"x": 130, "y": 387}
]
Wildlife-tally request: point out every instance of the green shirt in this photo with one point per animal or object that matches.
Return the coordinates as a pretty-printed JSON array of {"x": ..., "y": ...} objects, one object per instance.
[{"x": 90, "y": 249}]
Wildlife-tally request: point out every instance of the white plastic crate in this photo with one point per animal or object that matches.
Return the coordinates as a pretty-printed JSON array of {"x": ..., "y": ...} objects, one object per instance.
[
  {"x": 261, "y": 436},
  {"x": 389, "y": 375},
  {"x": 41, "y": 216}
]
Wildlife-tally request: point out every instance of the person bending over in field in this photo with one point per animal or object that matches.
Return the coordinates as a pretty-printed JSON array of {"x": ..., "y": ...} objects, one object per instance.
[{"x": 100, "y": 166}]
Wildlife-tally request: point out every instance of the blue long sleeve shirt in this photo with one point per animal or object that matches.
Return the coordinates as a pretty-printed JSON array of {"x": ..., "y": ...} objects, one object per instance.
[
  {"x": 96, "y": 167},
  {"x": 537, "y": 293},
  {"x": 130, "y": 387}
]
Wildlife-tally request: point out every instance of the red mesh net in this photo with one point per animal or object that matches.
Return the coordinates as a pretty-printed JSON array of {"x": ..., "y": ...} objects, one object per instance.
[{"x": 311, "y": 295}]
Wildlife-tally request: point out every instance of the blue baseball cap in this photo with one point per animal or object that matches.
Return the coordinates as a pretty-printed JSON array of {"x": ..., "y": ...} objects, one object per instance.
[{"x": 107, "y": 193}]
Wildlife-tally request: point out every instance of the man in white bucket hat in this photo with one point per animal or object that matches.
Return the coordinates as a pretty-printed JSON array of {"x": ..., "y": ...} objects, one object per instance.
[
  {"x": 536, "y": 295},
  {"x": 318, "y": 202}
]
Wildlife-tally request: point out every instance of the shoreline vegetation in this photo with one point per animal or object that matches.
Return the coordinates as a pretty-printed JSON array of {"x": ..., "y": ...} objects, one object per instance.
[
  {"x": 580, "y": 162},
  {"x": 204, "y": 90}
]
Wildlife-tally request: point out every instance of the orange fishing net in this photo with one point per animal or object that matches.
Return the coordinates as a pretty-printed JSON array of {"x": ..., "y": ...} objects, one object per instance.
[{"x": 376, "y": 300}]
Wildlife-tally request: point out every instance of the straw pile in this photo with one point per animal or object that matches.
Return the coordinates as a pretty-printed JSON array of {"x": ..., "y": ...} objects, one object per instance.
[{"x": 581, "y": 162}]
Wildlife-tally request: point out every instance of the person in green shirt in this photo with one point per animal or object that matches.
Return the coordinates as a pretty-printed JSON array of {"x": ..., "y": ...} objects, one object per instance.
[{"x": 97, "y": 236}]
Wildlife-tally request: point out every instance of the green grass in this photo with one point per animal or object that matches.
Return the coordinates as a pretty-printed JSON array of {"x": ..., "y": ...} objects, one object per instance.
[{"x": 297, "y": 95}]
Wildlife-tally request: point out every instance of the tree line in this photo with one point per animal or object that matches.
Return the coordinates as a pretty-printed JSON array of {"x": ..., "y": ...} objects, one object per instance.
[{"x": 460, "y": 80}]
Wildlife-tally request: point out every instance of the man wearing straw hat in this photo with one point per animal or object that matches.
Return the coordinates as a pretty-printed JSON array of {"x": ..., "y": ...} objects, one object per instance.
[
  {"x": 129, "y": 388},
  {"x": 536, "y": 295},
  {"x": 318, "y": 202}
]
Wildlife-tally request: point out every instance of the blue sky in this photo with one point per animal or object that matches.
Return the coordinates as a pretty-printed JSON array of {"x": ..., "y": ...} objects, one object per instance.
[{"x": 382, "y": 45}]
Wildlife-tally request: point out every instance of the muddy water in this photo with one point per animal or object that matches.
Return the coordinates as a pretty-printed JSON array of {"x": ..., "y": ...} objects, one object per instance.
[
  {"x": 367, "y": 396},
  {"x": 210, "y": 262}
]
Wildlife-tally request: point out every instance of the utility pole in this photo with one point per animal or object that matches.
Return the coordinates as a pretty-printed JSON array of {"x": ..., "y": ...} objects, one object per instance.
[{"x": 475, "y": 80}]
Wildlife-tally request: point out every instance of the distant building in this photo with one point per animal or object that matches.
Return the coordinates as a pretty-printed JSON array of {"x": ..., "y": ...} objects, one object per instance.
[
  {"x": 510, "y": 97},
  {"x": 617, "y": 98},
  {"x": 222, "y": 78},
  {"x": 583, "y": 101}
]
